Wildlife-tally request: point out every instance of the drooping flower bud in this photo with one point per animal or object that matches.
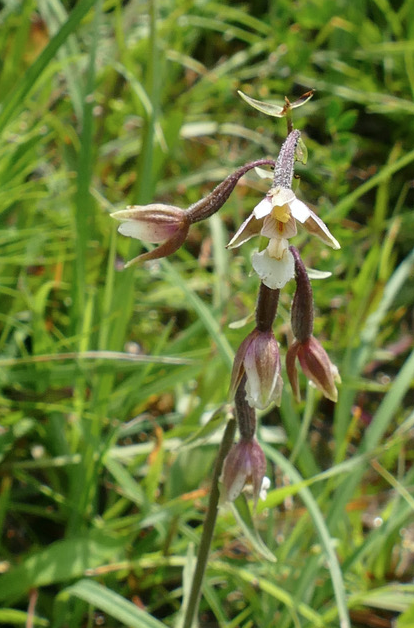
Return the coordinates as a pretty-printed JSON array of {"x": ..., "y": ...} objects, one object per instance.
[
  {"x": 244, "y": 464},
  {"x": 316, "y": 366},
  {"x": 169, "y": 224},
  {"x": 258, "y": 357},
  {"x": 154, "y": 223}
]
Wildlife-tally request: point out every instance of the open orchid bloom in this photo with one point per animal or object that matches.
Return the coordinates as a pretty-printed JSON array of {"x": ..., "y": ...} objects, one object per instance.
[
  {"x": 275, "y": 218},
  {"x": 278, "y": 206}
]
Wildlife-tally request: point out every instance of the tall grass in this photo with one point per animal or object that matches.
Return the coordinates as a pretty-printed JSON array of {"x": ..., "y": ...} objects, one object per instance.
[{"x": 108, "y": 376}]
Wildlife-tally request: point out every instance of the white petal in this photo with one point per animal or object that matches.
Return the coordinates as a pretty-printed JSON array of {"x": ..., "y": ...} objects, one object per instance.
[
  {"x": 299, "y": 210},
  {"x": 264, "y": 488},
  {"x": 274, "y": 273},
  {"x": 236, "y": 487},
  {"x": 317, "y": 227},
  {"x": 253, "y": 390},
  {"x": 249, "y": 229},
  {"x": 282, "y": 196},
  {"x": 263, "y": 208},
  {"x": 142, "y": 231},
  {"x": 277, "y": 393}
]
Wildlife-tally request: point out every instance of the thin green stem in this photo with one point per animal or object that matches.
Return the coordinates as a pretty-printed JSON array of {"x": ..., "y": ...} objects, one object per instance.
[{"x": 208, "y": 527}]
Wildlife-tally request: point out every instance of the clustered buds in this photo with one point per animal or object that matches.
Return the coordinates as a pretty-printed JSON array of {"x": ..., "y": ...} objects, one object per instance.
[{"x": 256, "y": 379}]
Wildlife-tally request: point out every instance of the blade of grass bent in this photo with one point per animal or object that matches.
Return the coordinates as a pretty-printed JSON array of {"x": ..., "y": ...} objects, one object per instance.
[
  {"x": 278, "y": 593},
  {"x": 110, "y": 602}
]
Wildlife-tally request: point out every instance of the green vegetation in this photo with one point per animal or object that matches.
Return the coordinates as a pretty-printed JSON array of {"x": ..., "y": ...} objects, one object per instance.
[{"x": 107, "y": 375}]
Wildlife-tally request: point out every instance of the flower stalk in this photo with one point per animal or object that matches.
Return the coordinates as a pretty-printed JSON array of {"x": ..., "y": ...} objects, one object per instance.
[
  {"x": 302, "y": 304},
  {"x": 266, "y": 307},
  {"x": 285, "y": 163},
  {"x": 208, "y": 527},
  {"x": 206, "y": 207}
]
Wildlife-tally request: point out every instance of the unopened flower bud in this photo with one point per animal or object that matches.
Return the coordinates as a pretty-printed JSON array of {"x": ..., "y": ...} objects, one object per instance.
[
  {"x": 244, "y": 464},
  {"x": 169, "y": 224},
  {"x": 316, "y": 366},
  {"x": 154, "y": 223},
  {"x": 258, "y": 357}
]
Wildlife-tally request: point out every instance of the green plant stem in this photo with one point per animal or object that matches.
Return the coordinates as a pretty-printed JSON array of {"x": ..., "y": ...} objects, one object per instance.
[{"x": 208, "y": 527}]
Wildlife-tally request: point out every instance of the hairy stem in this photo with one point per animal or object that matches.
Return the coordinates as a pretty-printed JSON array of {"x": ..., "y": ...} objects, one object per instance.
[
  {"x": 246, "y": 416},
  {"x": 302, "y": 305},
  {"x": 266, "y": 307},
  {"x": 286, "y": 160},
  {"x": 206, "y": 207}
]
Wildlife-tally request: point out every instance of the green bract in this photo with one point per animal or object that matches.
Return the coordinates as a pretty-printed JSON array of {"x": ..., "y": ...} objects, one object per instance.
[{"x": 276, "y": 111}]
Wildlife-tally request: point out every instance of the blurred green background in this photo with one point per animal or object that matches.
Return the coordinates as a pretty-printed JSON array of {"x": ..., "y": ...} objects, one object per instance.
[{"x": 107, "y": 376}]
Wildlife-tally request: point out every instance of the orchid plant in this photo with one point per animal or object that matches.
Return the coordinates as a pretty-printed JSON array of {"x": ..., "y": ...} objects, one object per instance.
[{"x": 256, "y": 379}]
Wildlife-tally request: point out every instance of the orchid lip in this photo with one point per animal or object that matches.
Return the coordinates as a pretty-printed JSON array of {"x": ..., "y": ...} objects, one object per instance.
[{"x": 273, "y": 272}]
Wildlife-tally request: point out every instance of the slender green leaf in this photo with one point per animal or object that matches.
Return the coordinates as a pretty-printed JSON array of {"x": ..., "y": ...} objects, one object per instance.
[{"x": 112, "y": 603}]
